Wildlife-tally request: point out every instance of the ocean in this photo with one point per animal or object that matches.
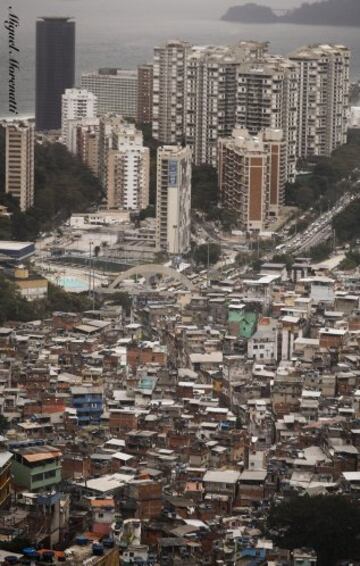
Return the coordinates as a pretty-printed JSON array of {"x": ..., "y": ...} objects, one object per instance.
[{"x": 123, "y": 33}]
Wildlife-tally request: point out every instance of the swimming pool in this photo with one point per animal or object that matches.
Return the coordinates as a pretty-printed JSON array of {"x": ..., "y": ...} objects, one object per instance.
[{"x": 73, "y": 284}]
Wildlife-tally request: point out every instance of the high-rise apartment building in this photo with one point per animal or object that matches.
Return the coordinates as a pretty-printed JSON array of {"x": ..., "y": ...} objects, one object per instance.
[
  {"x": 55, "y": 69},
  {"x": 323, "y": 98},
  {"x": 116, "y": 90},
  {"x": 128, "y": 177},
  {"x": 252, "y": 176},
  {"x": 210, "y": 95},
  {"x": 85, "y": 142},
  {"x": 145, "y": 94},
  {"x": 124, "y": 164},
  {"x": 169, "y": 97},
  {"x": 210, "y": 100},
  {"x": 267, "y": 97},
  {"x": 76, "y": 104},
  {"x": 202, "y": 93},
  {"x": 19, "y": 165},
  {"x": 173, "y": 199}
]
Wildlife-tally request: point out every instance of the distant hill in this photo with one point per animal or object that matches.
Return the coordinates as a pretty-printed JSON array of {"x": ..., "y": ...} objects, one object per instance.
[{"x": 326, "y": 12}]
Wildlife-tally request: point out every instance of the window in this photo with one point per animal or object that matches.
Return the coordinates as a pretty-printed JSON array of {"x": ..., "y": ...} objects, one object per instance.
[
  {"x": 50, "y": 474},
  {"x": 37, "y": 477}
]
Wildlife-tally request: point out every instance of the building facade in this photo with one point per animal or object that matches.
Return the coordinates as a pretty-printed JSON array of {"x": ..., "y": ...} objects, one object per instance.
[
  {"x": 145, "y": 94},
  {"x": 323, "y": 102},
  {"x": 173, "y": 199},
  {"x": 267, "y": 97},
  {"x": 75, "y": 104},
  {"x": 210, "y": 101},
  {"x": 124, "y": 164},
  {"x": 37, "y": 468},
  {"x": 86, "y": 133},
  {"x": 252, "y": 176},
  {"x": 169, "y": 91},
  {"x": 19, "y": 166},
  {"x": 55, "y": 69},
  {"x": 211, "y": 95},
  {"x": 116, "y": 90},
  {"x": 88, "y": 404},
  {"x": 5, "y": 477}
]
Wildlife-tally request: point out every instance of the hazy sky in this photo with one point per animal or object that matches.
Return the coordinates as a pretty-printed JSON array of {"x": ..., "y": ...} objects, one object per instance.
[{"x": 29, "y": 8}]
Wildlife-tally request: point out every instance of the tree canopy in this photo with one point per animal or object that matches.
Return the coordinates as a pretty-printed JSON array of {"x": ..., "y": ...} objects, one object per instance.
[
  {"x": 326, "y": 178},
  {"x": 207, "y": 253},
  {"x": 63, "y": 185},
  {"x": 15, "y": 307},
  {"x": 204, "y": 192},
  {"x": 347, "y": 223},
  {"x": 329, "y": 524}
]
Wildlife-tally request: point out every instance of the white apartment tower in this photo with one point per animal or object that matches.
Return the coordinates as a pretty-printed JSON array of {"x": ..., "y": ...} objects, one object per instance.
[
  {"x": 323, "y": 98},
  {"x": 75, "y": 104},
  {"x": 173, "y": 199},
  {"x": 252, "y": 176},
  {"x": 19, "y": 165},
  {"x": 124, "y": 164},
  {"x": 169, "y": 102},
  {"x": 267, "y": 97},
  {"x": 116, "y": 90},
  {"x": 211, "y": 92}
]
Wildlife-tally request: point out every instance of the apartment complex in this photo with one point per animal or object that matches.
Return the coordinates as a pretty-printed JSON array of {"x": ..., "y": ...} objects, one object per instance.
[
  {"x": 173, "y": 199},
  {"x": 145, "y": 94},
  {"x": 76, "y": 103},
  {"x": 267, "y": 97},
  {"x": 124, "y": 164},
  {"x": 19, "y": 166},
  {"x": 116, "y": 90},
  {"x": 201, "y": 93},
  {"x": 170, "y": 62},
  {"x": 323, "y": 98},
  {"x": 211, "y": 95},
  {"x": 55, "y": 69},
  {"x": 252, "y": 176}
]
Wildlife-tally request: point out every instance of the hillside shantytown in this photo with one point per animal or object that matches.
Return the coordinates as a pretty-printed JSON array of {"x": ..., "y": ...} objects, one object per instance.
[{"x": 180, "y": 310}]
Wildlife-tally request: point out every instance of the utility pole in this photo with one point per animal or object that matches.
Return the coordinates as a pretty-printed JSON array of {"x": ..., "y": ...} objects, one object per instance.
[
  {"x": 90, "y": 256},
  {"x": 208, "y": 263}
]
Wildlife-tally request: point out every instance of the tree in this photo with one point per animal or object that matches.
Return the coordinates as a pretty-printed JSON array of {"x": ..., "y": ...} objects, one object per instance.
[
  {"x": 204, "y": 192},
  {"x": 148, "y": 212},
  {"x": 12, "y": 305},
  {"x": 207, "y": 253},
  {"x": 63, "y": 185},
  {"x": 59, "y": 300},
  {"x": 330, "y": 524},
  {"x": 122, "y": 299},
  {"x": 351, "y": 260},
  {"x": 284, "y": 258},
  {"x": 5, "y": 228},
  {"x": 321, "y": 251},
  {"x": 346, "y": 224},
  {"x": 228, "y": 219},
  {"x": 242, "y": 259}
]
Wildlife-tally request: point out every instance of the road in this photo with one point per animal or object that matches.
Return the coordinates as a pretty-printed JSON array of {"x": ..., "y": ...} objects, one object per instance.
[{"x": 319, "y": 231}]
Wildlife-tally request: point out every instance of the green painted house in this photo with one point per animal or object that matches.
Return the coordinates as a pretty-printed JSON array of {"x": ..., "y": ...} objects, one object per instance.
[{"x": 36, "y": 468}]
